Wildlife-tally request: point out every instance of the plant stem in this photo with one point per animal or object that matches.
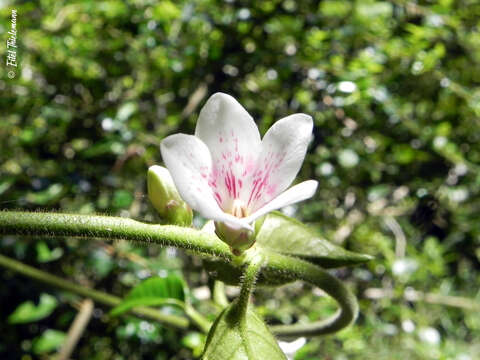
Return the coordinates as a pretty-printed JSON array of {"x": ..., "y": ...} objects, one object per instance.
[
  {"x": 201, "y": 243},
  {"x": 430, "y": 298},
  {"x": 219, "y": 296},
  {"x": 98, "y": 296},
  {"x": 55, "y": 224},
  {"x": 198, "y": 319},
  {"x": 76, "y": 330},
  {"x": 303, "y": 270},
  {"x": 249, "y": 278}
]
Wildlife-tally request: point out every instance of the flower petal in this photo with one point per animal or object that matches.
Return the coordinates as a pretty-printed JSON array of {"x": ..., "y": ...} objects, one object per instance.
[
  {"x": 282, "y": 153},
  {"x": 189, "y": 162},
  {"x": 297, "y": 193},
  {"x": 233, "y": 139}
]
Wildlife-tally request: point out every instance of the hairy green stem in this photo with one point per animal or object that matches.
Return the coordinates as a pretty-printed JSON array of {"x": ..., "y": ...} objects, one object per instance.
[
  {"x": 240, "y": 307},
  {"x": 249, "y": 278},
  {"x": 201, "y": 243},
  {"x": 56, "y": 224},
  {"x": 303, "y": 270},
  {"x": 98, "y": 296}
]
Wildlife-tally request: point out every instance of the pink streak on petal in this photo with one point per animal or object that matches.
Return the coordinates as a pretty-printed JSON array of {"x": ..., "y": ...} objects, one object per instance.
[
  {"x": 212, "y": 182},
  {"x": 235, "y": 140},
  {"x": 234, "y": 184},
  {"x": 227, "y": 184},
  {"x": 231, "y": 184},
  {"x": 261, "y": 186},
  {"x": 271, "y": 190},
  {"x": 254, "y": 188}
]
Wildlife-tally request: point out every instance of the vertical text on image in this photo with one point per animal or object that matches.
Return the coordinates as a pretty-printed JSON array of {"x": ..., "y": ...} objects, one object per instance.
[{"x": 12, "y": 45}]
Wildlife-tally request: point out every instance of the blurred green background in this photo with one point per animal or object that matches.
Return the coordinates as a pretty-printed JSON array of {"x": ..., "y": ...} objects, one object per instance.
[{"x": 394, "y": 90}]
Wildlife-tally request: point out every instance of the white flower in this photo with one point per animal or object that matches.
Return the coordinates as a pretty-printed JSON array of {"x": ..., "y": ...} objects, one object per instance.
[{"x": 228, "y": 174}]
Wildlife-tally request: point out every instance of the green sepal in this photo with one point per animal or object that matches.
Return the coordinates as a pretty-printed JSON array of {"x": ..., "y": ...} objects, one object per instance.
[
  {"x": 238, "y": 239},
  {"x": 241, "y": 336}
]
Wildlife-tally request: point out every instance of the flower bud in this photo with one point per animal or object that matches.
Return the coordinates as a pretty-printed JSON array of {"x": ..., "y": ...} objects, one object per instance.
[{"x": 165, "y": 198}]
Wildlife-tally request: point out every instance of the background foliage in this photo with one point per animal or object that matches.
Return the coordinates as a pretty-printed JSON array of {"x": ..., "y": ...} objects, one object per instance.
[{"x": 393, "y": 88}]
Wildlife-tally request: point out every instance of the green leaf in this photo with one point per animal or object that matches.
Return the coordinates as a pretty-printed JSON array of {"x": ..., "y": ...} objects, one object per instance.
[
  {"x": 195, "y": 341},
  {"x": 244, "y": 338},
  {"x": 126, "y": 110},
  {"x": 29, "y": 312},
  {"x": 377, "y": 9},
  {"x": 166, "y": 11},
  {"x": 44, "y": 254},
  {"x": 50, "y": 340},
  {"x": 154, "y": 291},
  {"x": 288, "y": 236},
  {"x": 122, "y": 199},
  {"x": 5, "y": 184},
  {"x": 101, "y": 262},
  {"x": 140, "y": 329},
  {"x": 335, "y": 8},
  {"x": 48, "y": 196},
  {"x": 102, "y": 148},
  {"x": 279, "y": 233}
]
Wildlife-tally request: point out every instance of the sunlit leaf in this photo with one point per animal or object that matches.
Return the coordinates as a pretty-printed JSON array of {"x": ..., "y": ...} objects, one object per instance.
[
  {"x": 195, "y": 341},
  {"x": 29, "y": 312},
  {"x": 101, "y": 262},
  {"x": 246, "y": 338},
  {"x": 122, "y": 199},
  {"x": 5, "y": 184},
  {"x": 286, "y": 235},
  {"x": 126, "y": 110},
  {"x": 154, "y": 291},
  {"x": 146, "y": 331},
  {"x": 44, "y": 254},
  {"x": 50, "y": 340},
  {"x": 102, "y": 148},
  {"x": 47, "y": 196}
]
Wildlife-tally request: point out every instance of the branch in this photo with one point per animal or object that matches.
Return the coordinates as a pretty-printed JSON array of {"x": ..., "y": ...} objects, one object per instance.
[
  {"x": 199, "y": 242},
  {"x": 249, "y": 279},
  {"x": 56, "y": 224},
  {"x": 430, "y": 298},
  {"x": 219, "y": 296},
  {"x": 76, "y": 330},
  {"x": 400, "y": 239},
  {"x": 98, "y": 296}
]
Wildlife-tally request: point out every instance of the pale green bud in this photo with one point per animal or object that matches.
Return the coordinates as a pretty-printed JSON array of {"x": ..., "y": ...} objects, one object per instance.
[{"x": 165, "y": 198}]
